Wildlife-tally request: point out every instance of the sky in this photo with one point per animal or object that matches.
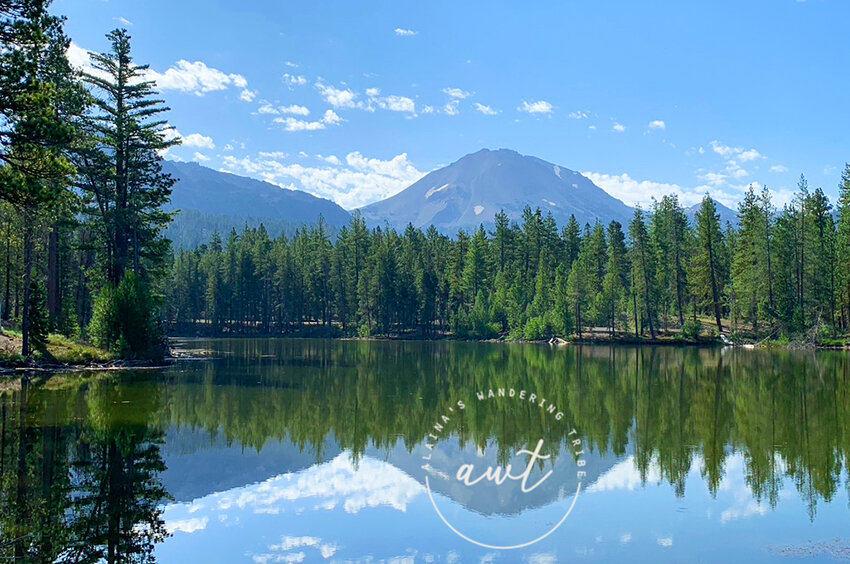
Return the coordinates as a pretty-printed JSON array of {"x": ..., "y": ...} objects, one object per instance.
[{"x": 355, "y": 101}]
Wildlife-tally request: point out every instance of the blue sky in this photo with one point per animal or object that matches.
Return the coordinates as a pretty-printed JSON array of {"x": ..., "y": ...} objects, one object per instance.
[{"x": 354, "y": 101}]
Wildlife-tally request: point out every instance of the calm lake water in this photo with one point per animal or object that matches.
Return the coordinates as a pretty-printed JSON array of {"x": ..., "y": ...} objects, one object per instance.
[{"x": 317, "y": 451}]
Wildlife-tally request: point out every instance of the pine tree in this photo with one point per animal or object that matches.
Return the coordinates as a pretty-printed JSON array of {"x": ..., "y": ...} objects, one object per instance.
[
  {"x": 39, "y": 316},
  {"x": 120, "y": 165},
  {"x": 643, "y": 275},
  {"x": 616, "y": 281},
  {"x": 842, "y": 250},
  {"x": 39, "y": 100},
  {"x": 707, "y": 266},
  {"x": 669, "y": 227},
  {"x": 750, "y": 266}
]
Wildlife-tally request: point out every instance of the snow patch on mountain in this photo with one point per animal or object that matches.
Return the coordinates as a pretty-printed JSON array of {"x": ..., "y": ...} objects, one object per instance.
[{"x": 434, "y": 190}]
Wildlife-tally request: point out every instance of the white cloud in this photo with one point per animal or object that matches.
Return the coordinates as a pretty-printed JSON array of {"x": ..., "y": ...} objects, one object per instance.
[
  {"x": 713, "y": 178},
  {"x": 200, "y": 157},
  {"x": 536, "y": 107},
  {"x": 542, "y": 558},
  {"x": 123, "y": 21},
  {"x": 456, "y": 93},
  {"x": 578, "y": 115},
  {"x": 397, "y": 104},
  {"x": 187, "y": 525},
  {"x": 198, "y": 140},
  {"x": 657, "y": 124},
  {"x": 743, "y": 155},
  {"x": 451, "y": 108},
  {"x": 228, "y": 147},
  {"x": 78, "y": 56},
  {"x": 331, "y": 118},
  {"x": 247, "y": 95},
  {"x": 293, "y": 80},
  {"x": 336, "y": 97},
  {"x": 750, "y": 155},
  {"x": 197, "y": 78},
  {"x": 405, "y": 32},
  {"x": 352, "y": 184},
  {"x": 633, "y": 192},
  {"x": 666, "y": 542},
  {"x": 373, "y": 92},
  {"x": 778, "y": 168},
  {"x": 294, "y": 109},
  {"x": 486, "y": 110},
  {"x": 293, "y": 124},
  {"x": 618, "y": 127}
]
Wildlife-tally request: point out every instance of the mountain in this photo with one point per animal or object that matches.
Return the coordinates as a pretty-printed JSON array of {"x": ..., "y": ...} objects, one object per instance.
[
  {"x": 472, "y": 190},
  {"x": 211, "y": 201},
  {"x": 726, "y": 214}
]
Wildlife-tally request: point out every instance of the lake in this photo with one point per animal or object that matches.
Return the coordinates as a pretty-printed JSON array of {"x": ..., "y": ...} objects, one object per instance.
[{"x": 275, "y": 450}]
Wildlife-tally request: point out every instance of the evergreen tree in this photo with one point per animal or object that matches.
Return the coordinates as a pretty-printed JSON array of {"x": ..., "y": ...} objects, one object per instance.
[
  {"x": 643, "y": 275},
  {"x": 669, "y": 227},
  {"x": 120, "y": 165},
  {"x": 39, "y": 316},
  {"x": 842, "y": 250},
  {"x": 38, "y": 103},
  {"x": 616, "y": 282},
  {"x": 707, "y": 266}
]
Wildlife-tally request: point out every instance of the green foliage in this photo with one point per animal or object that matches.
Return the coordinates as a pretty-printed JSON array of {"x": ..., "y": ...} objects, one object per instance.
[
  {"x": 125, "y": 320},
  {"x": 537, "y": 328},
  {"x": 104, "y": 329},
  {"x": 691, "y": 330}
]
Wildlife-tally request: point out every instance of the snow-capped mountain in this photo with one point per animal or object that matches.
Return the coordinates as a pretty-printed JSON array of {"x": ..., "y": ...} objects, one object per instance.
[{"x": 472, "y": 190}]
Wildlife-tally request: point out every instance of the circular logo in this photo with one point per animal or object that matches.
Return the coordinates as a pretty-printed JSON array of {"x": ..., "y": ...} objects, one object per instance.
[{"x": 503, "y": 469}]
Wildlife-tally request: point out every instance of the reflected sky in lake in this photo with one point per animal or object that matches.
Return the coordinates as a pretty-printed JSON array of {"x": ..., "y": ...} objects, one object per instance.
[{"x": 311, "y": 451}]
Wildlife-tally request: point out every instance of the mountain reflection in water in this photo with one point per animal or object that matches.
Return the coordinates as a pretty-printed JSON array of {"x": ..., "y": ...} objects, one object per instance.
[{"x": 274, "y": 437}]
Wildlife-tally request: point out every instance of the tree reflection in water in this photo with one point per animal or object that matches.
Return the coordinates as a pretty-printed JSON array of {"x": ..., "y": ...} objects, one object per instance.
[{"x": 80, "y": 456}]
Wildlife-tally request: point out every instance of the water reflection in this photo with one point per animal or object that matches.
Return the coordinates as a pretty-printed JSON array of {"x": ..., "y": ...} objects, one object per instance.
[{"x": 321, "y": 432}]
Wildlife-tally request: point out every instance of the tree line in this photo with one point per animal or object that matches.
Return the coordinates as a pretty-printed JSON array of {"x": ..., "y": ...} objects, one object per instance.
[
  {"x": 81, "y": 188},
  {"x": 779, "y": 273}
]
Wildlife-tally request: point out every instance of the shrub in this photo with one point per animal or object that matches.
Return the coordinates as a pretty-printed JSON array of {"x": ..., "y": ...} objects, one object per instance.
[
  {"x": 691, "y": 330},
  {"x": 104, "y": 329},
  {"x": 125, "y": 320},
  {"x": 536, "y": 329}
]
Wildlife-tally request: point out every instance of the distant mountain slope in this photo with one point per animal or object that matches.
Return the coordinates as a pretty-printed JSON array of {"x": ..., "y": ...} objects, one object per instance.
[
  {"x": 219, "y": 201},
  {"x": 726, "y": 214},
  {"x": 472, "y": 190}
]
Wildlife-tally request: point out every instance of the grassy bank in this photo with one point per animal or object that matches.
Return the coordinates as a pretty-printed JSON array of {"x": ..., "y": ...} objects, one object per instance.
[{"x": 60, "y": 350}]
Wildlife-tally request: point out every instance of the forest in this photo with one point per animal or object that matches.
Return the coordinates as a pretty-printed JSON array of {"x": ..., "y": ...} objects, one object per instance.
[
  {"x": 83, "y": 251},
  {"x": 81, "y": 189},
  {"x": 781, "y": 274}
]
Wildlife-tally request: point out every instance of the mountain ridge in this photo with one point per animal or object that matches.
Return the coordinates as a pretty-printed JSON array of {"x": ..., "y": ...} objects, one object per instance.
[{"x": 471, "y": 190}]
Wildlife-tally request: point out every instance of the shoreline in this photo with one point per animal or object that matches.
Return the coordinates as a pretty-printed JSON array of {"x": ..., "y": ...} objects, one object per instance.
[
  {"x": 17, "y": 367},
  {"x": 554, "y": 341}
]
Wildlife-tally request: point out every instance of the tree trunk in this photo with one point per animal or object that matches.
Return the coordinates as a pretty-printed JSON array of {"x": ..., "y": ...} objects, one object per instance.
[
  {"x": 53, "y": 294},
  {"x": 28, "y": 260}
]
